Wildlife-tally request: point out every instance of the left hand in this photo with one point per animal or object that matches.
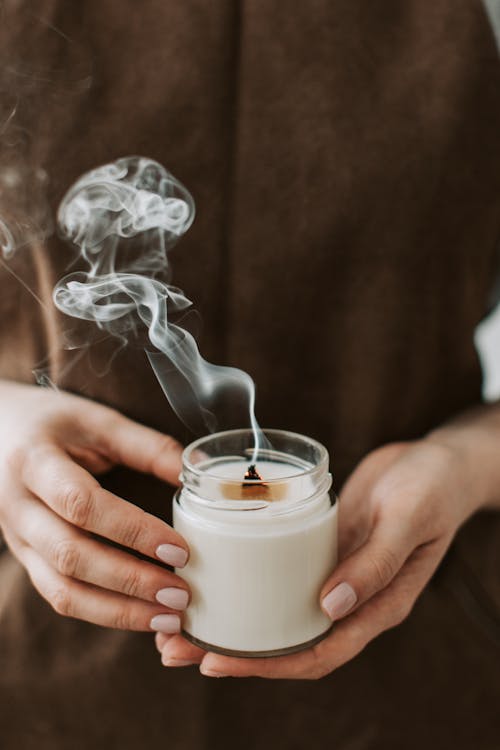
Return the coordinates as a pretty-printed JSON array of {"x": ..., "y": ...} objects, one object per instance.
[{"x": 399, "y": 511}]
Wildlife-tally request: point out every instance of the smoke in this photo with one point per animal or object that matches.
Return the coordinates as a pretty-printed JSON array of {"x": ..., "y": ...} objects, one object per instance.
[
  {"x": 43, "y": 73},
  {"x": 41, "y": 70},
  {"x": 25, "y": 214},
  {"x": 124, "y": 217}
]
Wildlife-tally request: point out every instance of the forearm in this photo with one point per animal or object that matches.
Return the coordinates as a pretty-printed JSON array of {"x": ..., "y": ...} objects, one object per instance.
[{"x": 475, "y": 437}]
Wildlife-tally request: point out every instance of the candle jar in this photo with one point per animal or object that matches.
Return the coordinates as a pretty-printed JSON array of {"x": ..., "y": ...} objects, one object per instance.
[{"x": 260, "y": 548}]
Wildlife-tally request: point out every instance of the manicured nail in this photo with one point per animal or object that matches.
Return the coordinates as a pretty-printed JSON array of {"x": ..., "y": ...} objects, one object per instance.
[
  {"x": 172, "y": 555},
  {"x": 177, "y": 662},
  {"x": 166, "y": 623},
  {"x": 211, "y": 673},
  {"x": 173, "y": 597},
  {"x": 339, "y": 601}
]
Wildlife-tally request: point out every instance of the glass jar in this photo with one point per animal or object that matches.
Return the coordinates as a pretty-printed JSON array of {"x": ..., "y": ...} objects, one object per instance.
[{"x": 261, "y": 547}]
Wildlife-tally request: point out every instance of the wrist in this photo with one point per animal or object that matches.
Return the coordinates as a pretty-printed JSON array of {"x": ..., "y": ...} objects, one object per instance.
[{"x": 474, "y": 440}]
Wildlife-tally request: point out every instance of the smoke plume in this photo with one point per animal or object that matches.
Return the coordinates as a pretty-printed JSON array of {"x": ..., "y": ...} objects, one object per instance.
[{"x": 124, "y": 217}]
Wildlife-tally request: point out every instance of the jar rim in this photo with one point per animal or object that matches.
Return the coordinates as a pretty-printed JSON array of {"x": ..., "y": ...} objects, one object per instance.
[{"x": 322, "y": 462}]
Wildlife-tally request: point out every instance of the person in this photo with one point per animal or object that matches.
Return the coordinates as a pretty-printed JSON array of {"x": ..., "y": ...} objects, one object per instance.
[{"x": 345, "y": 163}]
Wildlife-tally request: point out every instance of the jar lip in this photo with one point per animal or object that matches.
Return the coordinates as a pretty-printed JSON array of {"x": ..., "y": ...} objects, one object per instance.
[{"x": 322, "y": 462}]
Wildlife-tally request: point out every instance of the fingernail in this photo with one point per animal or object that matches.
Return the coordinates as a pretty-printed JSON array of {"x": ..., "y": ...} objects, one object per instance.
[
  {"x": 172, "y": 555},
  {"x": 177, "y": 662},
  {"x": 339, "y": 601},
  {"x": 211, "y": 673},
  {"x": 166, "y": 623},
  {"x": 173, "y": 597}
]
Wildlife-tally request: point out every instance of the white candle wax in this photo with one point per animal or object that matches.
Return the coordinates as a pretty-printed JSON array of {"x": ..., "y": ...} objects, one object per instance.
[{"x": 256, "y": 574}]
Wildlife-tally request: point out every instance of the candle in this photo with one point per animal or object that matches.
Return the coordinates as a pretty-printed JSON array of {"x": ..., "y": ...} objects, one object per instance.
[{"x": 260, "y": 548}]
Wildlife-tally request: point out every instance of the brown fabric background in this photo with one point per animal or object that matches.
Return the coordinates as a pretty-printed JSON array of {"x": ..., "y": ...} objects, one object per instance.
[{"x": 345, "y": 163}]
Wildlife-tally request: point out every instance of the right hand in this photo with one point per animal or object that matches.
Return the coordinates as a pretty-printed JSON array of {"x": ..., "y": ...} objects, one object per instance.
[{"x": 51, "y": 508}]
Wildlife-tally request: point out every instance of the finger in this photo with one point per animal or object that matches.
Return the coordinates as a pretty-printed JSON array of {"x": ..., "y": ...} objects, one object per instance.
[
  {"x": 93, "y": 462},
  {"x": 177, "y": 652},
  {"x": 84, "y": 602},
  {"x": 75, "y": 554},
  {"x": 369, "y": 569},
  {"x": 292, "y": 666},
  {"x": 161, "y": 639},
  {"x": 349, "y": 636},
  {"x": 13, "y": 541},
  {"x": 76, "y": 496},
  {"x": 139, "y": 447}
]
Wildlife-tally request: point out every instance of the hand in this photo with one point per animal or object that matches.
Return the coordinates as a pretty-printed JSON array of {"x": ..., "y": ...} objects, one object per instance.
[
  {"x": 51, "y": 508},
  {"x": 398, "y": 514}
]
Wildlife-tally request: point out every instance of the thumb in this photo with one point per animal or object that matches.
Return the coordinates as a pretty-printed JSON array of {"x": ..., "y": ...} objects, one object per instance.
[
  {"x": 367, "y": 571},
  {"x": 143, "y": 448},
  {"x": 356, "y": 508}
]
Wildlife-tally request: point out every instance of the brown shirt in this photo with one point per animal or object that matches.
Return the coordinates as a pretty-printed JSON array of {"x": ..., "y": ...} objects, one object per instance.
[{"x": 345, "y": 163}]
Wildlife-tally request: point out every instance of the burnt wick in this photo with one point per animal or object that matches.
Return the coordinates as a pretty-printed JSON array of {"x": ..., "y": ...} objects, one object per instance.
[
  {"x": 252, "y": 475},
  {"x": 253, "y": 487}
]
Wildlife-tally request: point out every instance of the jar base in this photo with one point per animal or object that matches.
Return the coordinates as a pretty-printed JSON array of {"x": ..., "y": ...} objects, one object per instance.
[{"x": 256, "y": 654}]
